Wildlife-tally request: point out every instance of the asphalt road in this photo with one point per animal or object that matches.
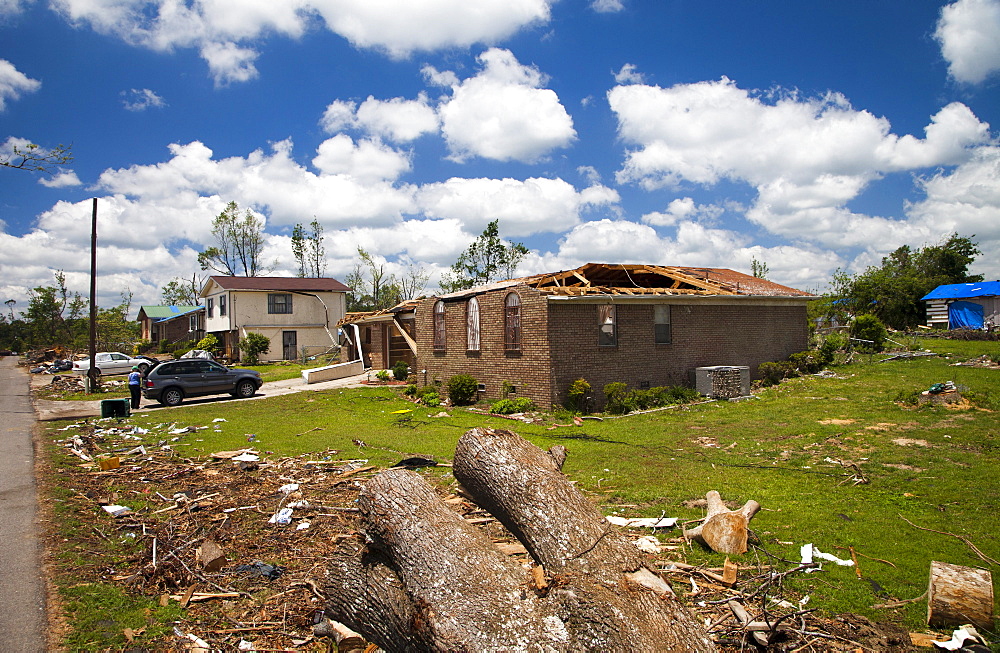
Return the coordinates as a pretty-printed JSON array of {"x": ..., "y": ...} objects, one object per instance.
[{"x": 22, "y": 589}]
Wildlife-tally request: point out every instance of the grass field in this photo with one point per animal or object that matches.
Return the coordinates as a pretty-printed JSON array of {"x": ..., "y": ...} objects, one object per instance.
[{"x": 837, "y": 462}]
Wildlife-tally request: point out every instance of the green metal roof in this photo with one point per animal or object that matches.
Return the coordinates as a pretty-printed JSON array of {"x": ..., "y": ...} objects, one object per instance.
[{"x": 160, "y": 312}]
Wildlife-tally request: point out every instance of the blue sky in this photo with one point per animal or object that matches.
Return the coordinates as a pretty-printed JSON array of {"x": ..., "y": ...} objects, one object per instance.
[{"x": 810, "y": 136}]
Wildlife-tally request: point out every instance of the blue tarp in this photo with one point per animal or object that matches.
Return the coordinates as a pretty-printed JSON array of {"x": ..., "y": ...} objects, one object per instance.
[
  {"x": 965, "y": 315},
  {"x": 963, "y": 290}
]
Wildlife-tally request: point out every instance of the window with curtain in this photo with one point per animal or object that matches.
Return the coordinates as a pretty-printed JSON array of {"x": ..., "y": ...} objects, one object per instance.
[
  {"x": 512, "y": 322},
  {"x": 607, "y": 327},
  {"x": 661, "y": 325},
  {"x": 222, "y": 305},
  {"x": 439, "y": 332},
  {"x": 472, "y": 324}
]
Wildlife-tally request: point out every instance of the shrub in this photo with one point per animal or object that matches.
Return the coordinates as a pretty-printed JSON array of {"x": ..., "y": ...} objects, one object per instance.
[
  {"x": 509, "y": 406},
  {"x": 576, "y": 395},
  {"x": 621, "y": 401},
  {"x": 828, "y": 349},
  {"x": 209, "y": 343},
  {"x": 806, "y": 362},
  {"x": 400, "y": 371},
  {"x": 163, "y": 347},
  {"x": 141, "y": 346},
  {"x": 870, "y": 331},
  {"x": 252, "y": 346},
  {"x": 382, "y": 375},
  {"x": 410, "y": 390},
  {"x": 773, "y": 372},
  {"x": 462, "y": 389}
]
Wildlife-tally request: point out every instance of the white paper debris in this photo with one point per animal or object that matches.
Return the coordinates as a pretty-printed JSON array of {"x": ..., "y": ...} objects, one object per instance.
[
  {"x": 302, "y": 503},
  {"x": 809, "y": 552},
  {"x": 289, "y": 488},
  {"x": 246, "y": 457},
  {"x": 117, "y": 511},
  {"x": 282, "y": 517},
  {"x": 303, "y": 525},
  {"x": 643, "y": 522},
  {"x": 219, "y": 419},
  {"x": 648, "y": 544},
  {"x": 959, "y": 638}
]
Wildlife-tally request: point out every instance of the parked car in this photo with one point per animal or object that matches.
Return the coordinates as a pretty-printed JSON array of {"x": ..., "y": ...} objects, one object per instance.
[
  {"x": 112, "y": 362},
  {"x": 170, "y": 382}
]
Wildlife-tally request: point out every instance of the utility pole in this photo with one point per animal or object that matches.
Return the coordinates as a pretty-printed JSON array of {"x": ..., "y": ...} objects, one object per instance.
[{"x": 92, "y": 374}]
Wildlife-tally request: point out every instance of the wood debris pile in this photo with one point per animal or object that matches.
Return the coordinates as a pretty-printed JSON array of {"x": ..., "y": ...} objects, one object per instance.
[{"x": 243, "y": 546}]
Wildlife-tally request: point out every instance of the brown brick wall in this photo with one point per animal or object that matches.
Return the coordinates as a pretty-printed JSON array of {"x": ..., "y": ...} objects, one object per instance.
[
  {"x": 742, "y": 334},
  {"x": 528, "y": 369}
]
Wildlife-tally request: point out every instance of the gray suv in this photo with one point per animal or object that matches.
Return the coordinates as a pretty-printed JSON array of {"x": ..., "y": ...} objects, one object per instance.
[{"x": 168, "y": 383}]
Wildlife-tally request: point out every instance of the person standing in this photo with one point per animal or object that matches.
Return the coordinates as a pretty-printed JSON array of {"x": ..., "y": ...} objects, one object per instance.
[{"x": 135, "y": 386}]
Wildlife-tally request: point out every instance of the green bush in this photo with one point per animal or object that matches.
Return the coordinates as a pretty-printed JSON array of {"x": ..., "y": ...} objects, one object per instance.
[
  {"x": 510, "y": 406},
  {"x": 252, "y": 346},
  {"x": 410, "y": 390},
  {"x": 209, "y": 343},
  {"x": 400, "y": 371},
  {"x": 382, "y": 375},
  {"x": 141, "y": 346},
  {"x": 576, "y": 395},
  {"x": 426, "y": 394},
  {"x": 462, "y": 389},
  {"x": 870, "y": 331},
  {"x": 828, "y": 349},
  {"x": 181, "y": 347},
  {"x": 621, "y": 401},
  {"x": 163, "y": 347},
  {"x": 806, "y": 362}
]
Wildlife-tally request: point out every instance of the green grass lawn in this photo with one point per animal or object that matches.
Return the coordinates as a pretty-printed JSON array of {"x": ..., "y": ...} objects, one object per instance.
[{"x": 791, "y": 448}]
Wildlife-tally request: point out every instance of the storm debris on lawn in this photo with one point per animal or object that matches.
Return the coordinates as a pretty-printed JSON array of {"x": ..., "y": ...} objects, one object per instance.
[{"x": 201, "y": 529}]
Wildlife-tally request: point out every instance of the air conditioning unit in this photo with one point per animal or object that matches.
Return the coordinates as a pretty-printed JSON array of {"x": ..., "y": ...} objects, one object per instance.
[{"x": 723, "y": 381}]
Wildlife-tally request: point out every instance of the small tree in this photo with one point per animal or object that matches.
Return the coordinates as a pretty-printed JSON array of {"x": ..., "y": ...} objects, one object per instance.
[
  {"x": 240, "y": 244},
  {"x": 870, "y": 330},
  {"x": 308, "y": 250},
  {"x": 210, "y": 344},
  {"x": 252, "y": 346},
  {"x": 487, "y": 259}
]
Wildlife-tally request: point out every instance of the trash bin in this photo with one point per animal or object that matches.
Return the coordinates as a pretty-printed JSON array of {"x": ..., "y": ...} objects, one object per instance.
[{"x": 115, "y": 408}]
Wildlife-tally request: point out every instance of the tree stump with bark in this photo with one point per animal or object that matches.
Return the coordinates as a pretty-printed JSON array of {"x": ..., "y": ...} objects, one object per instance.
[
  {"x": 959, "y": 595},
  {"x": 427, "y": 580},
  {"x": 724, "y": 530}
]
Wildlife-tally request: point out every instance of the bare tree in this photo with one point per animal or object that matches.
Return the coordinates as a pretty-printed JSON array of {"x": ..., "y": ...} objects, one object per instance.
[
  {"x": 308, "y": 250},
  {"x": 182, "y": 292},
  {"x": 240, "y": 244}
]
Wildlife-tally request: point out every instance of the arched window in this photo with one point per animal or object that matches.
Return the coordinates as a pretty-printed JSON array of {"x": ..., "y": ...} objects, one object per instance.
[
  {"x": 512, "y": 322},
  {"x": 439, "y": 332},
  {"x": 472, "y": 325}
]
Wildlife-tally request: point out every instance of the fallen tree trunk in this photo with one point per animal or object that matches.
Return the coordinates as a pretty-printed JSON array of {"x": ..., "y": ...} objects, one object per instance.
[{"x": 430, "y": 581}]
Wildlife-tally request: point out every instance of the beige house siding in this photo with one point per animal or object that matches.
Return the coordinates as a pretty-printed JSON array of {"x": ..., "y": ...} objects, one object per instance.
[{"x": 313, "y": 318}]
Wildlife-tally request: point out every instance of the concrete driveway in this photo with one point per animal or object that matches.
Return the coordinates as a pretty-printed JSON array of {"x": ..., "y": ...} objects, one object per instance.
[
  {"x": 22, "y": 594},
  {"x": 52, "y": 410}
]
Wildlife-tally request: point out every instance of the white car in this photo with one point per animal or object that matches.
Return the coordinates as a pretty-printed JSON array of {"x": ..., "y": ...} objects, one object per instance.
[{"x": 112, "y": 362}]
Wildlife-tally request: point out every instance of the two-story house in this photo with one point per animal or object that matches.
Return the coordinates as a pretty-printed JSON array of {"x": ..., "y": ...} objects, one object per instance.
[{"x": 297, "y": 314}]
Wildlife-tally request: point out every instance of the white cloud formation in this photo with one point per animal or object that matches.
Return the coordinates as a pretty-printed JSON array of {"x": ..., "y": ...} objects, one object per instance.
[
  {"x": 62, "y": 179},
  {"x": 140, "y": 99},
  {"x": 13, "y": 83},
  {"x": 228, "y": 63},
  {"x": 222, "y": 29},
  {"x": 969, "y": 34},
  {"x": 526, "y": 207},
  {"x": 398, "y": 119},
  {"x": 807, "y": 158},
  {"x": 628, "y": 74},
  {"x": 503, "y": 114},
  {"x": 607, "y": 6},
  {"x": 681, "y": 209},
  {"x": 368, "y": 161}
]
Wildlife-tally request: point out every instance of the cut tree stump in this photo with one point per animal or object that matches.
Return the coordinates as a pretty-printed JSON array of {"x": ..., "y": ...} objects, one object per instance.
[
  {"x": 724, "y": 530},
  {"x": 429, "y": 581},
  {"x": 959, "y": 595}
]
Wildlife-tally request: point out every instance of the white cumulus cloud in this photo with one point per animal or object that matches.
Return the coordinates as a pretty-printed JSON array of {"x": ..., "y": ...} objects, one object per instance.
[
  {"x": 13, "y": 83},
  {"x": 503, "y": 114},
  {"x": 607, "y": 6},
  {"x": 969, "y": 34},
  {"x": 806, "y": 157}
]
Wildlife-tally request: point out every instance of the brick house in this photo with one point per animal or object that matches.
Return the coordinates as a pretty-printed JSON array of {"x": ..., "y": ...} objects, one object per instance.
[
  {"x": 643, "y": 325},
  {"x": 296, "y": 313},
  {"x": 171, "y": 323}
]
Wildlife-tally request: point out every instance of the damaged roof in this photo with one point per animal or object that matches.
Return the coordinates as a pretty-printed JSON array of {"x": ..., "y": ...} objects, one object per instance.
[
  {"x": 638, "y": 279},
  {"x": 615, "y": 279}
]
